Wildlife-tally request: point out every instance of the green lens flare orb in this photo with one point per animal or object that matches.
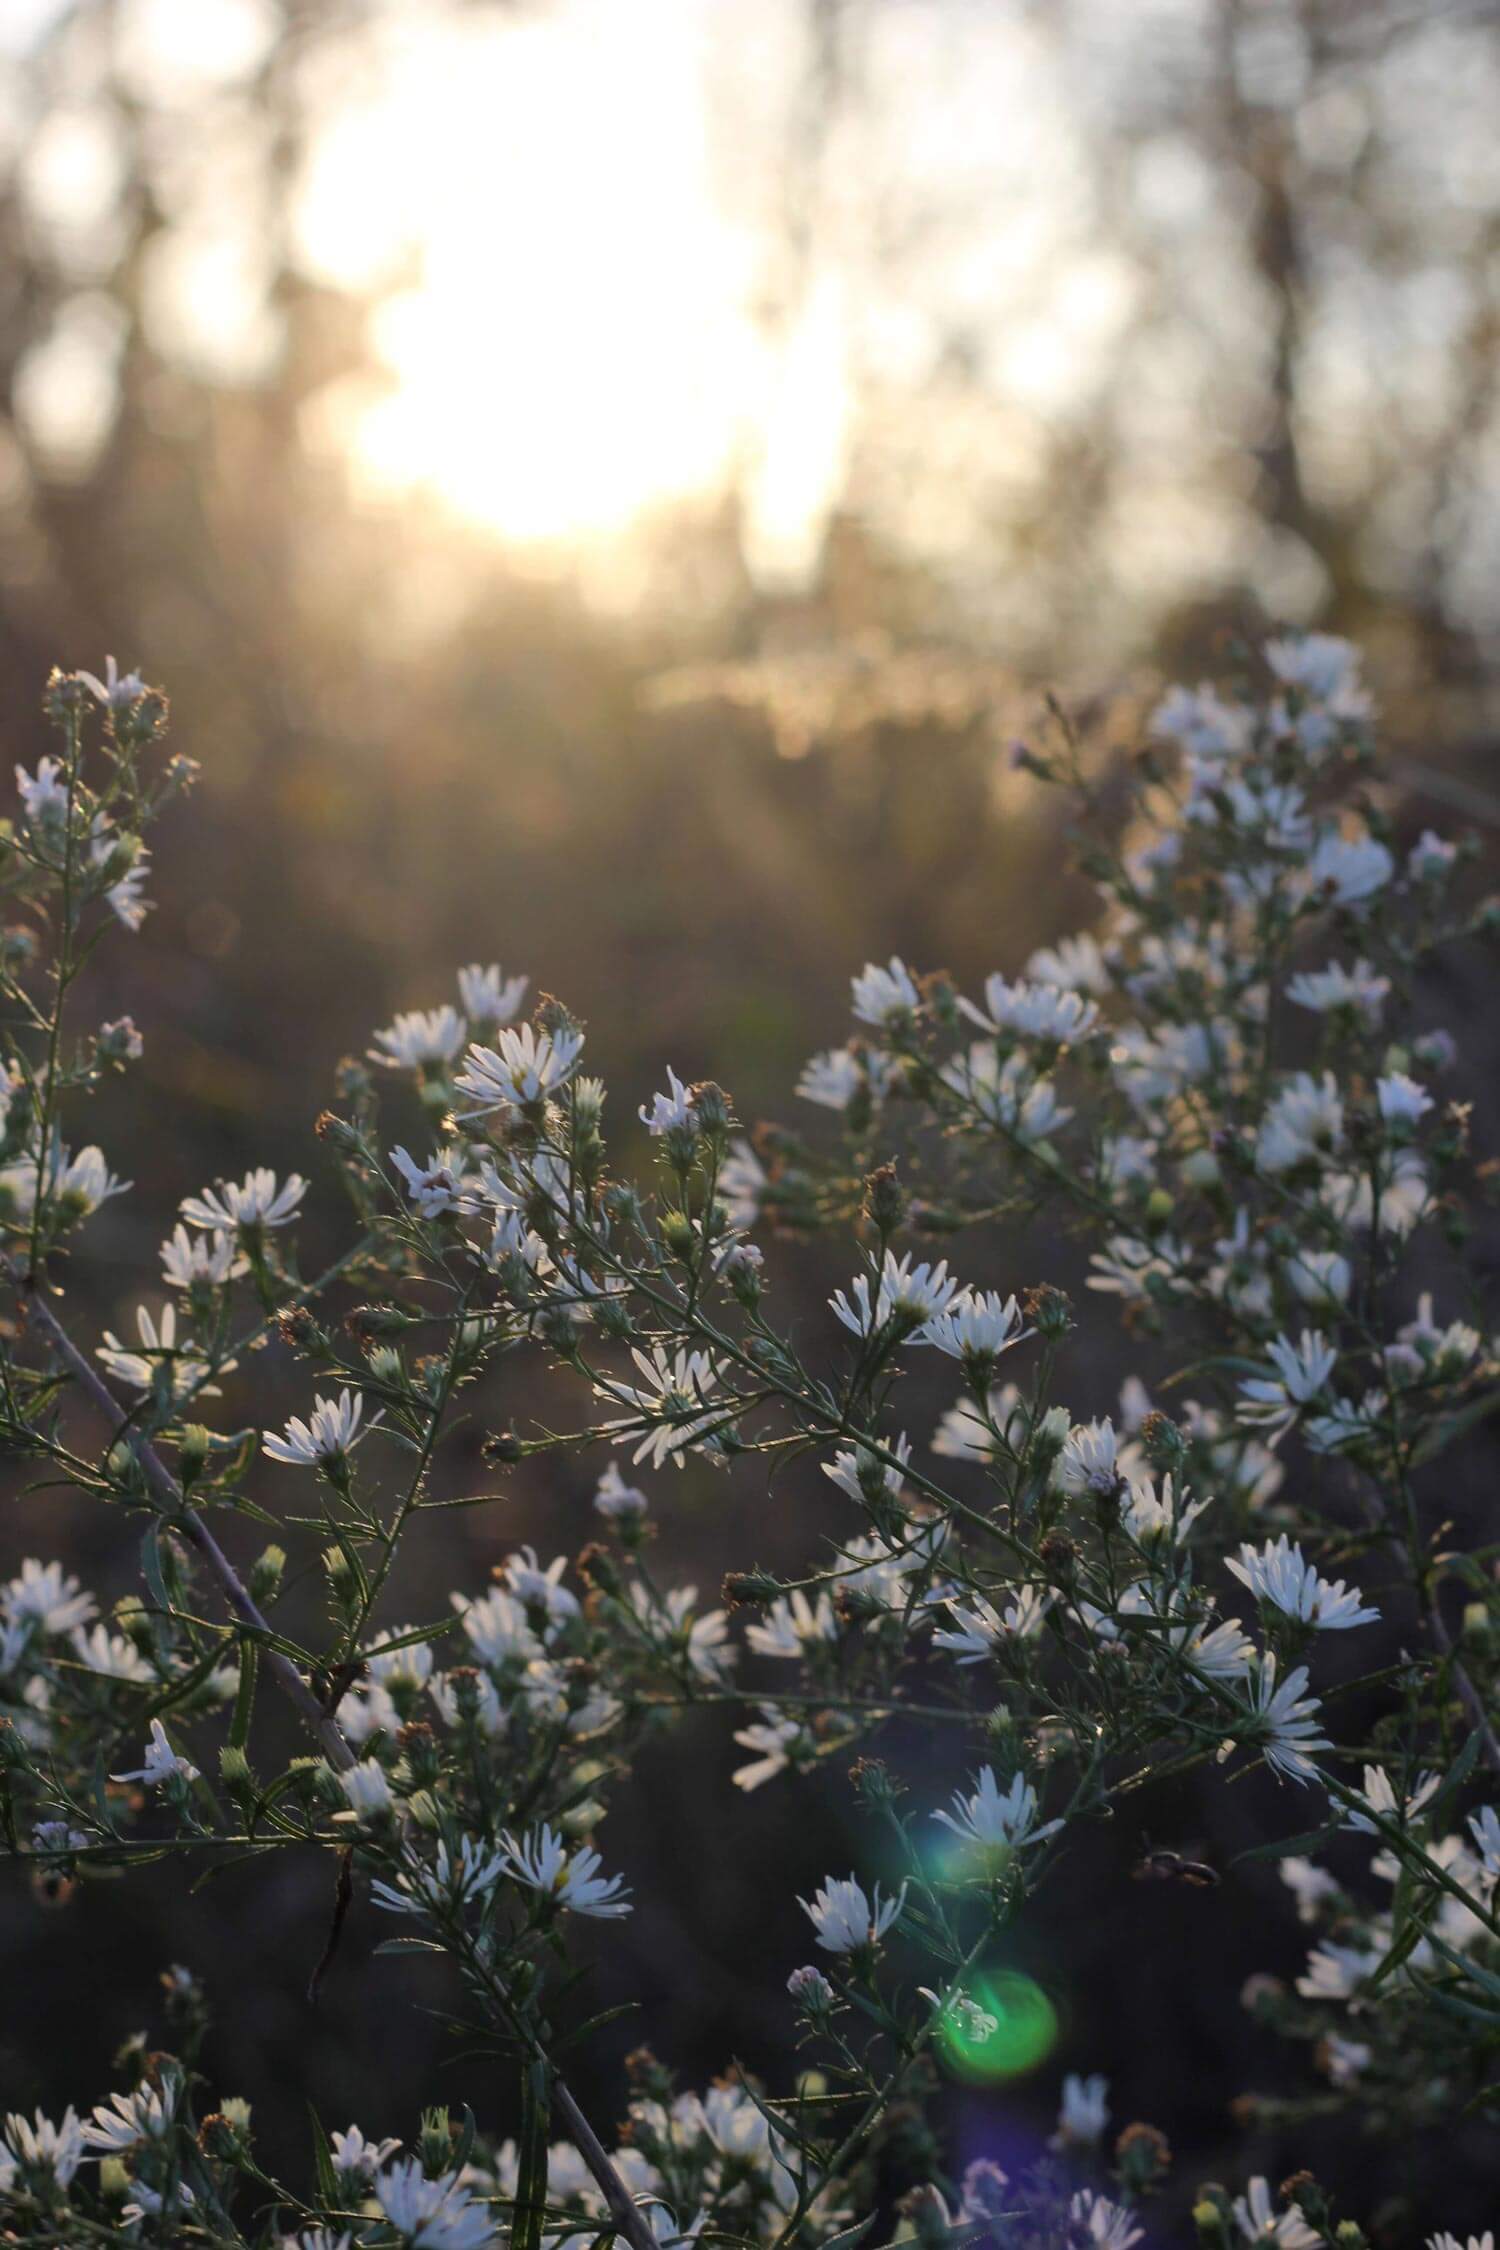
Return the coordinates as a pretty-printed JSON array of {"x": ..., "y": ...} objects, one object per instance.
[{"x": 999, "y": 2027}]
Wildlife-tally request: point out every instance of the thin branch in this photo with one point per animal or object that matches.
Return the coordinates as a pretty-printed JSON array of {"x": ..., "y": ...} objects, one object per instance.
[{"x": 187, "y": 1520}]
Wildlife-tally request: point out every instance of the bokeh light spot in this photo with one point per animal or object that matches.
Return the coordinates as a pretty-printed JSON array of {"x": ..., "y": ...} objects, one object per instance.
[{"x": 1009, "y": 2027}]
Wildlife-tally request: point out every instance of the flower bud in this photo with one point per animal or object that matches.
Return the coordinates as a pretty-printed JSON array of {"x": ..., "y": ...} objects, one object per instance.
[
  {"x": 338, "y": 1133},
  {"x": 1144, "y": 2157},
  {"x": 265, "y": 1573},
  {"x": 436, "y": 2143},
  {"x": 1049, "y": 1310},
  {"x": 884, "y": 1201}
]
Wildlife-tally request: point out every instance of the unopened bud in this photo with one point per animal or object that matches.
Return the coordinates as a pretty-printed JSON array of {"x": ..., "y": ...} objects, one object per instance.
[
  {"x": 884, "y": 1200},
  {"x": 265, "y": 1573}
]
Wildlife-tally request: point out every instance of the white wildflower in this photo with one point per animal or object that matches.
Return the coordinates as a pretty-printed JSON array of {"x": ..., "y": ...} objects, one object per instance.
[
  {"x": 1083, "y": 2116},
  {"x": 543, "y": 1863},
  {"x": 1258, "y": 2221},
  {"x": 997, "y": 1820},
  {"x": 162, "y": 1762},
  {"x": 1283, "y": 1721},
  {"x": 523, "y": 1067},
  {"x": 248, "y": 1205},
  {"x": 883, "y": 995},
  {"x": 327, "y": 1437},
  {"x": 845, "y": 1920},
  {"x": 488, "y": 996}
]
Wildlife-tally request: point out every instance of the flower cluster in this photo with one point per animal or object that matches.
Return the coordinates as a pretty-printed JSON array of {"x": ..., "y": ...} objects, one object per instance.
[{"x": 1219, "y": 1089}]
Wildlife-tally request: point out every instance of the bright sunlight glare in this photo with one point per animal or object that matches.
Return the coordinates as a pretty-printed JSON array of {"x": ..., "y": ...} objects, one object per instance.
[{"x": 578, "y": 345}]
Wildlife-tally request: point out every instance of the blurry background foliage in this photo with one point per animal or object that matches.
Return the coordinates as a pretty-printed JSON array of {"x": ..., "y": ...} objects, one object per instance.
[{"x": 604, "y": 484}]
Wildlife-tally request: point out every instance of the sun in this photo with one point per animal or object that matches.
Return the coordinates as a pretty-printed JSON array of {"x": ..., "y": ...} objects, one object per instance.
[{"x": 578, "y": 347}]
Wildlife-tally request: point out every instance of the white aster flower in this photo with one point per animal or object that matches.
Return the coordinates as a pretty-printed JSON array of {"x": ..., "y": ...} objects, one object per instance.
[
  {"x": 1379, "y": 1797},
  {"x": 614, "y": 1498},
  {"x": 1321, "y": 1278},
  {"x": 1402, "y": 1101},
  {"x": 56, "y": 1839},
  {"x": 128, "y": 2119},
  {"x": 111, "y": 1655},
  {"x": 1083, "y": 2116},
  {"x": 437, "y": 1186},
  {"x": 449, "y": 1881},
  {"x": 1305, "y": 1120},
  {"x": 670, "y": 1403},
  {"x": 1278, "y": 1575},
  {"x": 327, "y": 1437},
  {"x": 1033, "y": 1011},
  {"x": 853, "y": 1471},
  {"x": 834, "y": 1077},
  {"x": 1105, "y": 2225},
  {"x": 1347, "y": 870},
  {"x": 1322, "y": 990},
  {"x": 488, "y": 996},
  {"x": 123, "y": 897},
  {"x": 880, "y": 995},
  {"x": 845, "y": 1919},
  {"x": 162, "y": 1762},
  {"x": 1225, "y": 1652},
  {"x": 704, "y": 1640},
  {"x": 394, "y": 1661},
  {"x": 117, "y": 690},
  {"x": 45, "y": 1595},
  {"x": 977, "y": 1327},
  {"x": 997, "y": 1820},
  {"x": 905, "y": 1295},
  {"x": 522, "y": 1068},
  {"x": 742, "y": 1185},
  {"x": 966, "y": 1434},
  {"x": 1160, "y": 1518},
  {"x": 245, "y": 1206},
  {"x": 1074, "y": 964},
  {"x": 357, "y": 2158},
  {"x": 1403, "y": 1199},
  {"x": 499, "y": 1629},
  {"x": 793, "y": 1624},
  {"x": 368, "y": 1790},
  {"x": 980, "y": 1629},
  {"x": 771, "y": 1738},
  {"x": 540, "y": 1590},
  {"x": 1259, "y": 2221},
  {"x": 543, "y": 1863},
  {"x": 671, "y": 1112},
  {"x": 1310, "y": 1885},
  {"x": 159, "y": 1354},
  {"x": 1089, "y": 1461},
  {"x": 423, "y": 1039},
  {"x": 1008, "y": 1094},
  {"x": 191, "y": 1261},
  {"x": 44, "y": 794},
  {"x": 1324, "y": 666},
  {"x": 1302, "y": 1372},
  {"x": 45, "y": 2147},
  {"x": 474, "y": 1696},
  {"x": 429, "y": 2214},
  {"x": 1335, "y": 1972},
  {"x": 1484, "y": 1827},
  {"x": 1202, "y": 724},
  {"x": 1283, "y": 1721}
]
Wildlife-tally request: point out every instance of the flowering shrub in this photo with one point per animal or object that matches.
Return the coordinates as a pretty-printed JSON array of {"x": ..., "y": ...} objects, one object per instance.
[{"x": 1218, "y": 1087}]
